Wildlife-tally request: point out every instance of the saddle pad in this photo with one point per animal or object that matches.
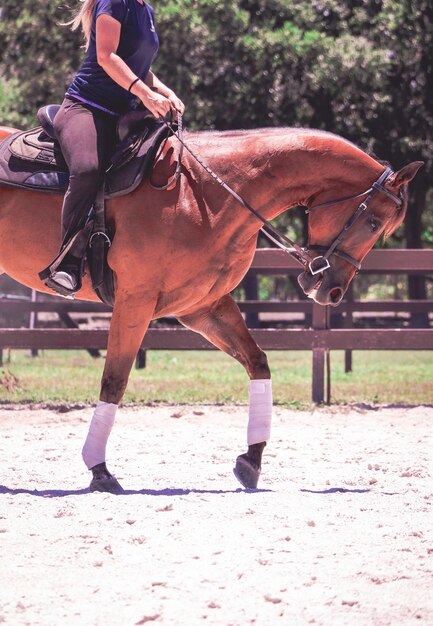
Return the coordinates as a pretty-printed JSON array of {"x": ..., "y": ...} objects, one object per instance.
[
  {"x": 37, "y": 147},
  {"x": 18, "y": 167},
  {"x": 27, "y": 173}
]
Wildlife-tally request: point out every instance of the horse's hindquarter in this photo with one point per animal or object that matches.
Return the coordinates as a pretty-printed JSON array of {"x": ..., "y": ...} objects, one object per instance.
[
  {"x": 7, "y": 131},
  {"x": 175, "y": 245}
]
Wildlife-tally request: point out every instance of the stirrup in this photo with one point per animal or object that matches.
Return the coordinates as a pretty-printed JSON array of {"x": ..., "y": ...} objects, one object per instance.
[{"x": 60, "y": 289}]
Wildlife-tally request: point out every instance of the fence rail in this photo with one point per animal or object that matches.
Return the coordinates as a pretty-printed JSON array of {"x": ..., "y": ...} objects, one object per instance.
[
  {"x": 13, "y": 307},
  {"x": 320, "y": 339},
  {"x": 268, "y": 339}
]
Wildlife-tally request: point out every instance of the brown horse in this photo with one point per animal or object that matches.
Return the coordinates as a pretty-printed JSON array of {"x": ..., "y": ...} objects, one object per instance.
[{"x": 181, "y": 252}]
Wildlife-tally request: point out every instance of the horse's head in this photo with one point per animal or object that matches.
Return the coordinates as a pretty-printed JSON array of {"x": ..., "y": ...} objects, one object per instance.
[{"x": 341, "y": 236}]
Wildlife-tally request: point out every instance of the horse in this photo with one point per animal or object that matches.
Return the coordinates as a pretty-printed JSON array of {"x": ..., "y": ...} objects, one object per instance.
[{"x": 182, "y": 251}]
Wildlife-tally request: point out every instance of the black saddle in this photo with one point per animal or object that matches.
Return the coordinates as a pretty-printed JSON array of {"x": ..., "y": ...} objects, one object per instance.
[
  {"x": 129, "y": 123},
  {"x": 32, "y": 159}
]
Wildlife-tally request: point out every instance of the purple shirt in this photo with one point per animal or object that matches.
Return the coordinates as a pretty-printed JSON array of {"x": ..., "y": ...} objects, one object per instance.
[{"x": 138, "y": 46}]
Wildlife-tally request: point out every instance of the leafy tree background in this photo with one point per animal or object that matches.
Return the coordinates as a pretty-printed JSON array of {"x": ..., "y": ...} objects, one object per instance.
[{"x": 360, "y": 68}]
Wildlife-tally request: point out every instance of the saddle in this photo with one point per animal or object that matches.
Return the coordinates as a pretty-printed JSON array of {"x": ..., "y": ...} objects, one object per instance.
[{"x": 33, "y": 160}]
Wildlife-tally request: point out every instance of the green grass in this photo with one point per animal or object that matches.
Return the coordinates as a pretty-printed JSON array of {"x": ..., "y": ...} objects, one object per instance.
[{"x": 69, "y": 377}]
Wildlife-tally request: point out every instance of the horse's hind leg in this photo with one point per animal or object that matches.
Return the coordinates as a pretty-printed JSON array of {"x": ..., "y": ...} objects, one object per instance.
[
  {"x": 129, "y": 323},
  {"x": 223, "y": 325}
]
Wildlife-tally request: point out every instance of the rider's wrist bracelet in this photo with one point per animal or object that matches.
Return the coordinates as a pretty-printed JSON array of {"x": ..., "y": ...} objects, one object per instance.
[{"x": 132, "y": 84}]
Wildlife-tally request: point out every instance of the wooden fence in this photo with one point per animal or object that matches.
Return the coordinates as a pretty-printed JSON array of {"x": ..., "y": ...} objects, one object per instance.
[{"x": 319, "y": 338}]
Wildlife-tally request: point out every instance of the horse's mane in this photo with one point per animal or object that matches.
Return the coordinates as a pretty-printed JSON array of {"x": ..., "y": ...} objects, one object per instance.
[
  {"x": 220, "y": 136},
  {"x": 277, "y": 130},
  {"x": 206, "y": 136}
]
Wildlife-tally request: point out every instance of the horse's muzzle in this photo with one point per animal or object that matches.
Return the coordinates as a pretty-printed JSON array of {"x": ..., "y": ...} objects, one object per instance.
[{"x": 321, "y": 288}]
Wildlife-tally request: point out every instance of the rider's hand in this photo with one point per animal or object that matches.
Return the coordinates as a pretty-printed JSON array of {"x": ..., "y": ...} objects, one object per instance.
[
  {"x": 158, "y": 105},
  {"x": 176, "y": 103}
]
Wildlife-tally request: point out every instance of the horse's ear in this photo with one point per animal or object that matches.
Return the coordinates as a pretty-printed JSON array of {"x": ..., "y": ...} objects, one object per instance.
[{"x": 406, "y": 174}]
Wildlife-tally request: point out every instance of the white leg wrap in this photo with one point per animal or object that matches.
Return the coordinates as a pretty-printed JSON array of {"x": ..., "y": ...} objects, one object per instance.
[
  {"x": 99, "y": 431},
  {"x": 260, "y": 411}
]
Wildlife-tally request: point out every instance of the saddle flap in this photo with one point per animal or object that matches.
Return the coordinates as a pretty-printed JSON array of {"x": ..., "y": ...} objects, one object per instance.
[
  {"x": 133, "y": 123},
  {"x": 136, "y": 162}
]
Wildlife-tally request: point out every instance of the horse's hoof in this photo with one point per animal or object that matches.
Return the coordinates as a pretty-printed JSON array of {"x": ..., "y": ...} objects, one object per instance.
[
  {"x": 103, "y": 480},
  {"x": 106, "y": 485},
  {"x": 246, "y": 472}
]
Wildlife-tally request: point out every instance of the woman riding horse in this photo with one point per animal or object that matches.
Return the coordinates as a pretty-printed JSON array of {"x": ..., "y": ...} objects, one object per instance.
[{"x": 121, "y": 44}]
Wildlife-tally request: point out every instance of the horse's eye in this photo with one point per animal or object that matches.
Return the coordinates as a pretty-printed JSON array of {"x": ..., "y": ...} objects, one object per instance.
[{"x": 373, "y": 224}]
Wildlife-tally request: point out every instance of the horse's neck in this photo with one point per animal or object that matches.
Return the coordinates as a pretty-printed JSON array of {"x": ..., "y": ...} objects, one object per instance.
[{"x": 294, "y": 167}]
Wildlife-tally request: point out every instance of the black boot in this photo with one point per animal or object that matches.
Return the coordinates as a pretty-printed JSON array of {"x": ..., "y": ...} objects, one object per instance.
[{"x": 65, "y": 280}]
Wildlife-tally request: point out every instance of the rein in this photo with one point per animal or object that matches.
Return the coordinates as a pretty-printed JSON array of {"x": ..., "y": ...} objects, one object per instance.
[{"x": 314, "y": 265}]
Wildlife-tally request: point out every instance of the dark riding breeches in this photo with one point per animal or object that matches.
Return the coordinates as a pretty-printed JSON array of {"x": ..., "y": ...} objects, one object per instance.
[{"x": 87, "y": 138}]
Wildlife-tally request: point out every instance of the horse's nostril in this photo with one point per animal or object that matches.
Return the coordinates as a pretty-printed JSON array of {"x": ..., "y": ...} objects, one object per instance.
[{"x": 335, "y": 294}]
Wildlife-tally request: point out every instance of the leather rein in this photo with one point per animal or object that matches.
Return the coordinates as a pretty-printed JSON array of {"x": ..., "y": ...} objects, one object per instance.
[{"x": 319, "y": 263}]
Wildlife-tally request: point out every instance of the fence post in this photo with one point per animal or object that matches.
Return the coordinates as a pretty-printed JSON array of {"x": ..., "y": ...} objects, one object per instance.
[
  {"x": 70, "y": 323},
  {"x": 33, "y": 320},
  {"x": 321, "y": 358},
  {"x": 140, "y": 359},
  {"x": 251, "y": 293},
  {"x": 348, "y": 323}
]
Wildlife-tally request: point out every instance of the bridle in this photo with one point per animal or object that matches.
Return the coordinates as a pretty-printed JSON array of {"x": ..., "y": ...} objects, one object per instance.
[{"x": 319, "y": 263}]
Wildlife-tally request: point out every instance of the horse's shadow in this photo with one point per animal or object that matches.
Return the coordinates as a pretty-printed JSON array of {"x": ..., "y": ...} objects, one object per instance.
[
  {"x": 335, "y": 490},
  {"x": 61, "y": 493},
  {"x": 332, "y": 490}
]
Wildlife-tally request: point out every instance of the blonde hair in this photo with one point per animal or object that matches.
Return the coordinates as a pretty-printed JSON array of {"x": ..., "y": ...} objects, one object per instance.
[{"x": 83, "y": 18}]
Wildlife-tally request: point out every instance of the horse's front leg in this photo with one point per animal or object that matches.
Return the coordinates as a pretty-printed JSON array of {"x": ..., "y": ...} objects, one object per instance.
[
  {"x": 129, "y": 323},
  {"x": 223, "y": 325}
]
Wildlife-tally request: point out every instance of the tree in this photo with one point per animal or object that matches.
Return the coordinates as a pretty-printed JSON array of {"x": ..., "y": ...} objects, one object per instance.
[
  {"x": 360, "y": 68},
  {"x": 38, "y": 57}
]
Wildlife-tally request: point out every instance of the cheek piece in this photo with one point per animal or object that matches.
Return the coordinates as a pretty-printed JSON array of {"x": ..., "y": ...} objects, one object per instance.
[
  {"x": 100, "y": 428},
  {"x": 260, "y": 411}
]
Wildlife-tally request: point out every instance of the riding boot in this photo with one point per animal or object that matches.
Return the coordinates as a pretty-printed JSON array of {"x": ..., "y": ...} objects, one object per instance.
[{"x": 66, "y": 279}]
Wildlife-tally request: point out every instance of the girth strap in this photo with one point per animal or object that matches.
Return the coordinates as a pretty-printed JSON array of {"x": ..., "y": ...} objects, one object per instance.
[
  {"x": 101, "y": 274},
  {"x": 99, "y": 240}
]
